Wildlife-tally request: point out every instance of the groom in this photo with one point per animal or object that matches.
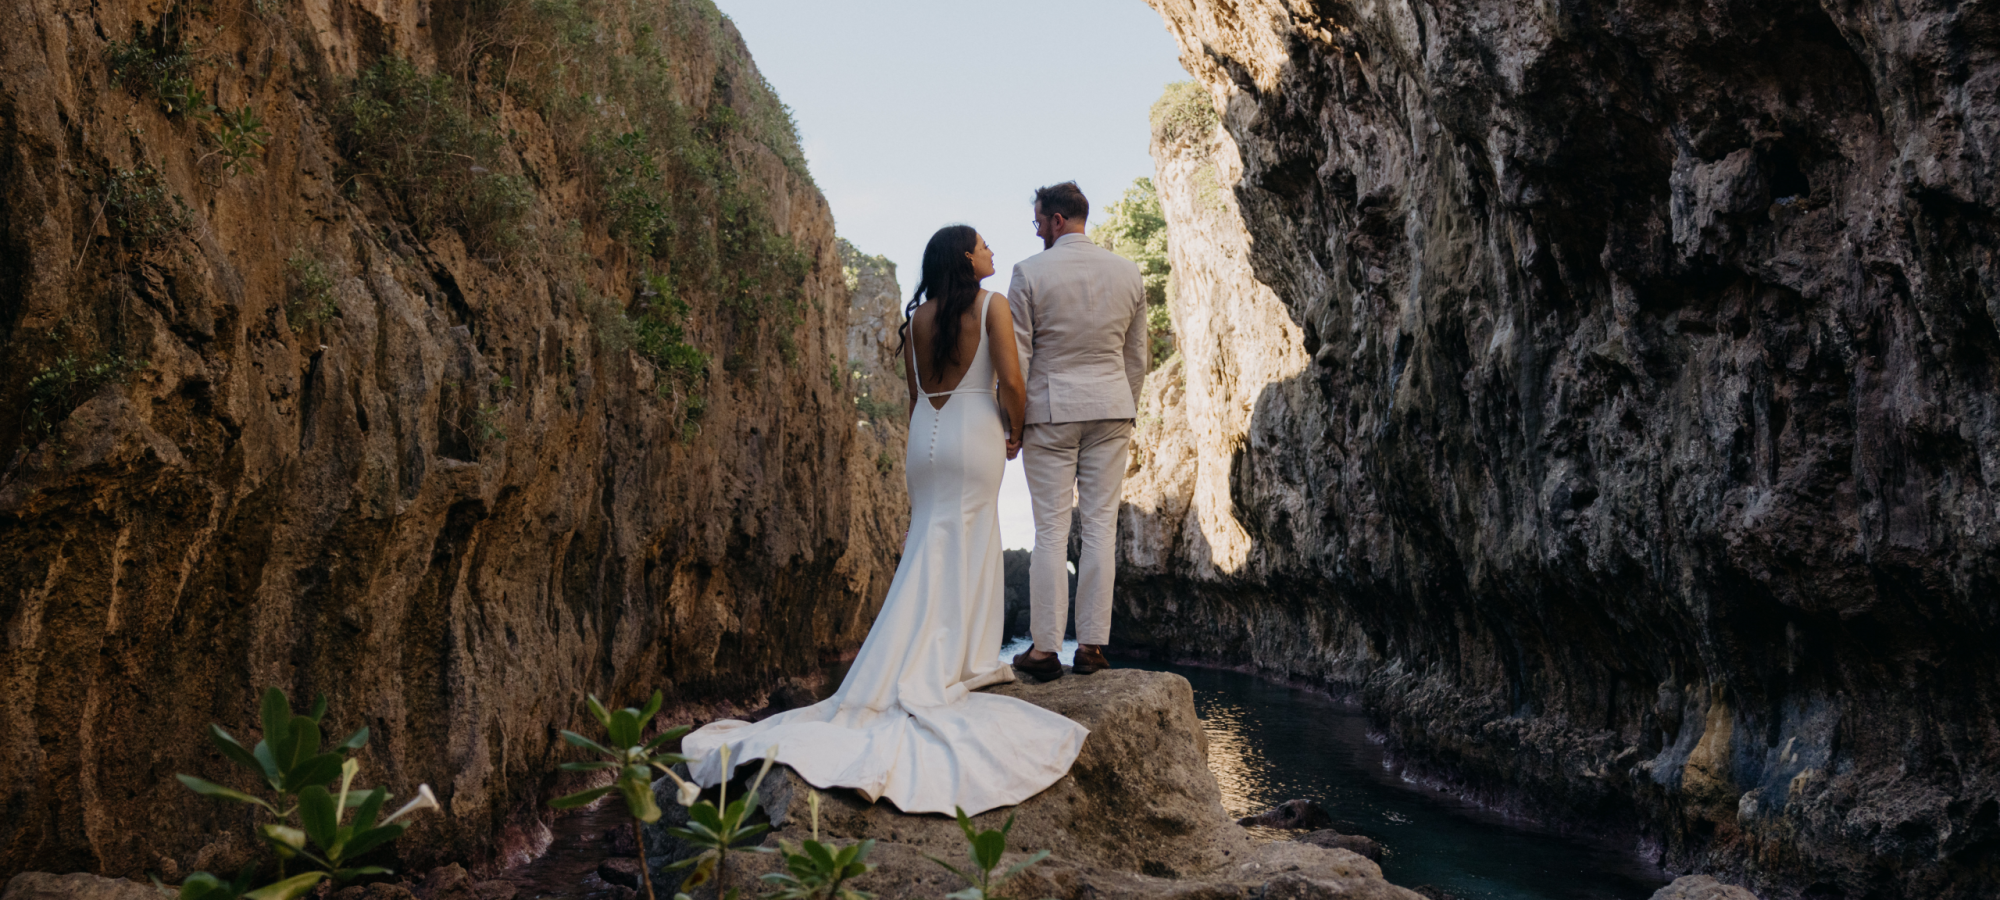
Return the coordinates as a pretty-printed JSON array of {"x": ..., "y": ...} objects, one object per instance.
[{"x": 1080, "y": 323}]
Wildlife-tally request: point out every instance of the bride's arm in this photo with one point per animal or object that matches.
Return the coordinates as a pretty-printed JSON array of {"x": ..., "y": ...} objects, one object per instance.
[{"x": 1013, "y": 390}]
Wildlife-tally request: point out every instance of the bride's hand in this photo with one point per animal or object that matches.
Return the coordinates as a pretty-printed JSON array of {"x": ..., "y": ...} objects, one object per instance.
[{"x": 1013, "y": 446}]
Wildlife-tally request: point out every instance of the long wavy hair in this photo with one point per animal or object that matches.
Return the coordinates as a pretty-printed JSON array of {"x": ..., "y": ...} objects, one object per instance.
[{"x": 947, "y": 278}]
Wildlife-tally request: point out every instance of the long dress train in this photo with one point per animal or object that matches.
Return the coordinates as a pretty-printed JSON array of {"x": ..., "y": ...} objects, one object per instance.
[{"x": 906, "y": 723}]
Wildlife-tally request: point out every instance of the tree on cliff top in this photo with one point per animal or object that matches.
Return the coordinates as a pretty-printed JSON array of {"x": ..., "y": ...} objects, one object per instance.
[{"x": 1135, "y": 227}]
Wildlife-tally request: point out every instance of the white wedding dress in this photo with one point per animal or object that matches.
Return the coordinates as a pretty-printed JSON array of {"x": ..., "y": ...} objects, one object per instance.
[{"x": 906, "y": 723}]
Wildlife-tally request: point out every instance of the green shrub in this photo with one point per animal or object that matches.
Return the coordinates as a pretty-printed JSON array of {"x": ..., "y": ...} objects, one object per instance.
[
  {"x": 139, "y": 203},
  {"x": 417, "y": 135},
  {"x": 239, "y": 141},
  {"x": 308, "y": 291},
  {"x": 819, "y": 871},
  {"x": 984, "y": 849},
  {"x": 309, "y": 816},
  {"x": 1185, "y": 112},
  {"x": 628, "y": 753},
  {"x": 160, "y": 62},
  {"x": 60, "y": 387},
  {"x": 1135, "y": 227}
]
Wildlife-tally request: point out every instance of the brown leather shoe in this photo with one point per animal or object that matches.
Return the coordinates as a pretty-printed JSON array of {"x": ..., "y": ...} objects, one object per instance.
[
  {"x": 1089, "y": 658},
  {"x": 1044, "y": 669}
]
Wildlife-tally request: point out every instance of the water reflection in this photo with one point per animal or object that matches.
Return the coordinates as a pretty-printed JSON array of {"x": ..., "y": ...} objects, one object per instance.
[{"x": 1268, "y": 743}]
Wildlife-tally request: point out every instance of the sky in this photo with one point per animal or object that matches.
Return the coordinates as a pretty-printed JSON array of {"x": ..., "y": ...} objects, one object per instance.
[{"x": 915, "y": 114}]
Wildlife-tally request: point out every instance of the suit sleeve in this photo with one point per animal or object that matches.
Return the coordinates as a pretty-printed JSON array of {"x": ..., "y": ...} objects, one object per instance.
[
  {"x": 1137, "y": 347},
  {"x": 1021, "y": 303}
]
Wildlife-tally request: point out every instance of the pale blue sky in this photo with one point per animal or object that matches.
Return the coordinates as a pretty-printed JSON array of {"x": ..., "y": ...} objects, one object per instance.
[{"x": 920, "y": 113}]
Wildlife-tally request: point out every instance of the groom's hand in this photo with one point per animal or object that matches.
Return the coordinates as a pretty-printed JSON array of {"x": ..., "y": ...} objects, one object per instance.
[{"x": 1013, "y": 446}]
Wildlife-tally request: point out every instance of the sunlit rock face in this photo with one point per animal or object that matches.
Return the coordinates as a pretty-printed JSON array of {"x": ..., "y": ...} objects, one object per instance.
[
  {"x": 1606, "y": 393},
  {"x": 457, "y": 498}
]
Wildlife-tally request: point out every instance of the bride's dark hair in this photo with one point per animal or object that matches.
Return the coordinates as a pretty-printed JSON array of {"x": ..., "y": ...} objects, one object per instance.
[{"x": 946, "y": 277}]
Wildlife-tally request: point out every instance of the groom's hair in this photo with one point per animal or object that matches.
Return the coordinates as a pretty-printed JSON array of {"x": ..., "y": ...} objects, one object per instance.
[{"x": 1064, "y": 200}]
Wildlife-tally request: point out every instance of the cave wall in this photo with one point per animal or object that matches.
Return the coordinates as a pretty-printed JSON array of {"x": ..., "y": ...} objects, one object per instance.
[
  {"x": 451, "y": 477},
  {"x": 1605, "y": 394}
]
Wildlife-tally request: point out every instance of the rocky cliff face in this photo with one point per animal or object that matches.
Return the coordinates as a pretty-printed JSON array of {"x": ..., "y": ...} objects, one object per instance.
[
  {"x": 1605, "y": 392},
  {"x": 453, "y": 360}
]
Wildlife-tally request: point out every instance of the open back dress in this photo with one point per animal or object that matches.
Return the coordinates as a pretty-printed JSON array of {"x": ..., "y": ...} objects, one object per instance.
[{"x": 908, "y": 723}]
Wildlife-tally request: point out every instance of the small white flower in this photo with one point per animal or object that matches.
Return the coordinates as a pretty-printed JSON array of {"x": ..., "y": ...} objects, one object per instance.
[
  {"x": 425, "y": 800},
  {"x": 685, "y": 792}
]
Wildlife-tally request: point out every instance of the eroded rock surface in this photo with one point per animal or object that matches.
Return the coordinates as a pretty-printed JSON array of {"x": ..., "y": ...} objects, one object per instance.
[
  {"x": 1607, "y": 394},
  {"x": 1139, "y": 815},
  {"x": 306, "y": 425}
]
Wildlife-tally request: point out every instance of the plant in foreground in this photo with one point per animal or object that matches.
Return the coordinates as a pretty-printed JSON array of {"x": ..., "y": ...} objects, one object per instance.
[
  {"x": 987, "y": 848},
  {"x": 716, "y": 827},
  {"x": 291, "y": 761},
  {"x": 817, "y": 871},
  {"x": 634, "y": 760}
]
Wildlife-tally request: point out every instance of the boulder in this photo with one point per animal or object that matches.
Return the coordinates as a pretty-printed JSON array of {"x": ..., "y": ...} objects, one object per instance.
[
  {"x": 1138, "y": 815},
  {"x": 1701, "y": 887},
  {"x": 78, "y": 886},
  {"x": 1331, "y": 839}
]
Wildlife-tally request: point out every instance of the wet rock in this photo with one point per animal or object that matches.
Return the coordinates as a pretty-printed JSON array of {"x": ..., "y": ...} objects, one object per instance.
[
  {"x": 1701, "y": 887},
  {"x": 1331, "y": 839},
  {"x": 1534, "y": 389},
  {"x": 77, "y": 886},
  {"x": 619, "y": 842},
  {"x": 620, "y": 871},
  {"x": 1292, "y": 815},
  {"x": 1139, "y": 815},
  {"x": 1433, "y": 892}
]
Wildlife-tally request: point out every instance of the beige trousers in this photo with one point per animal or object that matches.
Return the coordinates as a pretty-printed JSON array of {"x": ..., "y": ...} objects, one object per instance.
[{"x": 1080, "y": 464}]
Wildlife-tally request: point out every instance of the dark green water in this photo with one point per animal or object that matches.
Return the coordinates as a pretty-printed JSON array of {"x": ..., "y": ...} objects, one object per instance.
[{"x": 1268, "y": 743}]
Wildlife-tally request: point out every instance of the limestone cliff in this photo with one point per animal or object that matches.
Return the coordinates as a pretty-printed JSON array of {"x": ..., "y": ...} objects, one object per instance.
[
  {"x": 1605, "y": 392},
  {"x": 453, "y": 360}
]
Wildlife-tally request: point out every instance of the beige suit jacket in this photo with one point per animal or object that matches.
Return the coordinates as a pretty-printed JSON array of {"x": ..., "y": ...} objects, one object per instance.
[{"x": 1080, "y": 323}]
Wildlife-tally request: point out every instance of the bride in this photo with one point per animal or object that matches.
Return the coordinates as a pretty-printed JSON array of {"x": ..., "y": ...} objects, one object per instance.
[{"x": 907, "y": 723}]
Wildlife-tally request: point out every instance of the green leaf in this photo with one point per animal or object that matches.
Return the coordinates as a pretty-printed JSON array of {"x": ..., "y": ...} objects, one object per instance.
[
  {"x": 354, "y": 741},
  {"x": 285, "y": 840},
  {"x": 577, "y": 740},
  {"x": 587, "y": 766},
  {"x": 277, "y": 713},
  {"x": 652, "y": 706},
  {"x": 987, "y": 847},
  {"x": 672, "y": 734},
  {"x": 320, "y": 815},
  {"x": 705, "y": 813},
  {"x": 950, "y": 868},
  {"x": 305, "y": 742},
  {"x": 639, "y": 801},
  {"x": 319, "y": 709},
  {"x": 971, "y": 893},
  {"x": 581, "y": 798},
  {"x": 965, "y": 823},
  {"x": 211, "y": 789},
  {"x": 624, "y": 728},
  {"x": 288, "y": 889},
  {"x": 371, "y": 806},
  {"x": 235, "y": 751},
  {"x": 1009, "y": 827},
  {"x": 704, "y": 869},
  {"x": 321, "y": 769},
  {"x": 351, "y": 874},
  {"x": 597, "y": 710},
  {"x": 1018, "y": 867},
  {"x": 371, "y": 838},
  {"x": 269, "y": 762},
  {"x": 199, "y": 885},
  {"x": 821, "y": 856}
]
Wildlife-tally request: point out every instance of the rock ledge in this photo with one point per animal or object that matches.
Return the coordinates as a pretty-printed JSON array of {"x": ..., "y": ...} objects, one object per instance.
[{"x": 1139, "y": 815}]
